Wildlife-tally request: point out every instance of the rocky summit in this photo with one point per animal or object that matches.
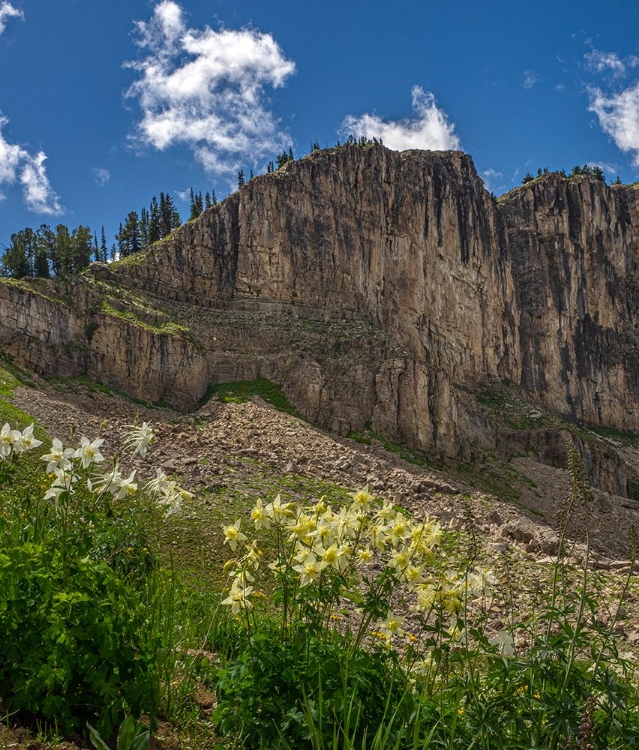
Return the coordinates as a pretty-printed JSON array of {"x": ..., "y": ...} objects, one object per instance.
[{"x": 389, "y": 294}]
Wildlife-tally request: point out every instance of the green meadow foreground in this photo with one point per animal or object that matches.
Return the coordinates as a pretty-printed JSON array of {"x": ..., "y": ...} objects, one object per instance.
[{"x": 308, "y": 615}]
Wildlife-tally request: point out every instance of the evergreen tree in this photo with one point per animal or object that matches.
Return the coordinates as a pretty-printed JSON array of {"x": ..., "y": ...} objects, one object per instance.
[
  {"x": 240, "y": 179},
  {"x": 81, "y": 248},
  {"x": 207, "y": 200},
  {"x": 155, "y": 227},
  {"x": 527, "y": 178},
  {"x": 213, "y": 198},
  {"x": 62, "y": 254},
  {"x": 18, "y": 258},
  {"x": 169, "y": 216},
  {"x": 598, "y": 173},
  {"x": 96, "y": 248},
  {"x": 197, "y": 204},
  {"x": 270, "y": 167},
  {"x": 104, "y": 253},
  {"x": 144, "y": 228},
  {"x": 45, "y": 242},
  {"x": 129, "y": 238}
]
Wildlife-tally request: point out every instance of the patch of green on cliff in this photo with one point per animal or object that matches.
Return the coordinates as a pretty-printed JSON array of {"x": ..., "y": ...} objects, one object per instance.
[
  {"x": 39, "y": 287},
  {"x": 241, "y": 391},
  {"x": 369, "y": 437},
  {"x": 168, "y": 328},
  {"x": 611, "y": 434},
  {"x": 494, "y": 475}
]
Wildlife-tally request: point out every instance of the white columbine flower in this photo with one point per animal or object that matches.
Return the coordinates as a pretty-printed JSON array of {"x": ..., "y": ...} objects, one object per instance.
[
  {"x": 26, "y": 441},
  {"x": 127, "y": 487},
  {"x": 89, "y": 452},
  {"x": 59, "y": 457},
  {"x": 8, "y": 439},
  {"x": 140, "y": 438}
]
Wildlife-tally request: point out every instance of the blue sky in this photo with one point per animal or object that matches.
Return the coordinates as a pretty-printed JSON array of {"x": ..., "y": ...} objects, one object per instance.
[{"x": 104, "y": 104}]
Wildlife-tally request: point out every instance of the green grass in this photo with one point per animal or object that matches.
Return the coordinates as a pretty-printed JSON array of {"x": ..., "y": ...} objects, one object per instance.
[
  {"x": 240, "y": 391},
  {"x": 413, "y": 456}
]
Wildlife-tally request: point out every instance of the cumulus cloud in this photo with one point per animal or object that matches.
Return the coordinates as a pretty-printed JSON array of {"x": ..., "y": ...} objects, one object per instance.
[
  {"x": 8, "y": 11},
  {"x": 531, "y": 77},
  {"x": 17, "y": 164},
  {"x": 618, "y": 115},
  {"x": 101, "y": 175},
  {"x": 206, "y": 89},
  {"x": 428, "y": 128}
]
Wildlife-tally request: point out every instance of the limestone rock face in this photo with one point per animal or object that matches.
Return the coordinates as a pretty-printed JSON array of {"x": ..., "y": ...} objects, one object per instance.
[{"x": 378, "y": 287}]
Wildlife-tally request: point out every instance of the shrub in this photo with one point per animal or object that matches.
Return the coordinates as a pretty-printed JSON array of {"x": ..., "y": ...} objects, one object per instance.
[{"x": 78, "y": 579}]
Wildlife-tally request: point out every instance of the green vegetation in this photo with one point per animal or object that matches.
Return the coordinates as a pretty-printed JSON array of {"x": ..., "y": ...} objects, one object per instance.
[
  {"x": 341, "y": 622},
  {"x": 368, "y": 437},
  {"x": 240, "y": 391}
]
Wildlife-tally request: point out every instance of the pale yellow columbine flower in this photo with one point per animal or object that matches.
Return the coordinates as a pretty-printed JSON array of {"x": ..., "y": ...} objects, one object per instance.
[
  {"x": 233, "y": 535},
  {"x": 386, "y": 512},
  {"x": 433, "y": 534},
  {"x": 320, "y": 506},
  {"x": 399, "y": 559},
  {"x": 278, "y": 510},
  {"x": 362, "y": 499},
  {"x": 414, "y": 575},
  {"x": 309, "y": 570},
  {"x": 329, "y": 556},
  {"x": 379, "y": 536},
  {"x": 426, "y": 597},
  {"x": 347, "y": 522},
  {"x": 392, "y": 625},
  {"x": 399, "y": 529},
  {"x": 238, "y": 597},
  {"x": 365, "y": 554},
  {"x": 303, "y": 526},
  {"x": 325, "y": 530},
  {"x": 260, "y": 516}
]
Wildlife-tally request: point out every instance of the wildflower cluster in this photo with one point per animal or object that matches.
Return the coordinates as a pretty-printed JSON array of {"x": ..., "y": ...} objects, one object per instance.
[
  {"x": 16, "y": 442},
  {"x": 72, "y": 467},
  {"x": 366, "y": 551}
]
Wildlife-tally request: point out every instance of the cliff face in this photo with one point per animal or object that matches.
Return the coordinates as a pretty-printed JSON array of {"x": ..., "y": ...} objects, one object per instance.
[{"x": 377, "y": 287}]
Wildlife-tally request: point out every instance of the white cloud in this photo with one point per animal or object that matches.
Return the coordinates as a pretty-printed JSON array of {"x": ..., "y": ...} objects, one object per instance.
[
  {"x": 101, "y": 175},
  {"x": 17, "y": 164},
  {"x": 531, "y": 77},
  {"x": 599, "y": 62},
  {"x": 492, "y": 179},
  {"x": 428, "y": 128},
  {"x": 8, "y": 11},
  {"x": 184, "y": 195},
  {"x": 206, "y": 89},
  {"x": 619, "y": 117}
]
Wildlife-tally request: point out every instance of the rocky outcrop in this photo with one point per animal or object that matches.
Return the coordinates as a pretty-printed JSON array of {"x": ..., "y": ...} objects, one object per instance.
[{"x": 378, "y": 287}]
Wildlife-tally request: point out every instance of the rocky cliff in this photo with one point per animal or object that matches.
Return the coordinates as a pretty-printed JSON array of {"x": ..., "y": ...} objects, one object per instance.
[{"x": 380, "y": 288}]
